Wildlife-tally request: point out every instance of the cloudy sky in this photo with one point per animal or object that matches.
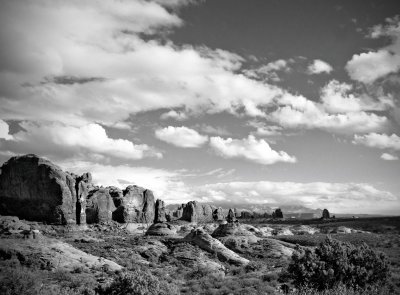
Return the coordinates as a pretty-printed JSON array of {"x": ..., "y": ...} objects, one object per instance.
[{"x": 256, "y": 101}]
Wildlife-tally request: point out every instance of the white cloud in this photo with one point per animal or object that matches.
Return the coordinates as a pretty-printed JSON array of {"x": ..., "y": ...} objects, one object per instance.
[
  {"x": 172, "y": 114},
  {"x": 181, "y": 137},
  {"x": 299, "y": 112},
  {"x": 91, "y": 138},
  {"x": 269, "y": 70},
  {"x": 250, "y": 148},
  {"x": 112, "y": 71},
  {"x": 337, "y": 197},
  {"x": 380, "y": 141},
  {"x": 5, "y": 130},
  {"x": 370, "y": 66},
  {"x": 319, "y": 66},
  {"x": 336, "y": 98},
  {"x": 389, "y": 157}
]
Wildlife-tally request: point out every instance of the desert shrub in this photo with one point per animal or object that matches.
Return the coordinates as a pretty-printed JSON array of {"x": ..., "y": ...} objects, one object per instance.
[
  {"x": 137, "y": 282},
  {"x": 335, "y": 262}
]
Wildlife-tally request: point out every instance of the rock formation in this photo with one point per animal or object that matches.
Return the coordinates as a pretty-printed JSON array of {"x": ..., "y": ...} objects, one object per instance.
[
  {"x": 137, "y": 205},
  {"x": 33, "y": 188},
  {"x": 202, "y": 239},
  {"x": 160, "y": 214},
  {"x": 325, "y": 214},
  {"x": 218, "y": 215},
  {"x": 99, "y": 206},
  {"x": 196, "y": 212},
  {"x": 231, "y": 216},
  {"x": 161, "y": 229}
]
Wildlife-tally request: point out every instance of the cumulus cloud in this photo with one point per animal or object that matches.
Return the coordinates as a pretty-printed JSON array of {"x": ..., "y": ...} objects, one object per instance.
[
  {"x": 380, "y": 141},
  {"x": 338, "y": 197},
  {"x": 181, "y": 136},
  {"x": 91, "y": 138},
  {"x": 389, "y": 157},
  {"x": 336, "y": 98},
  {"x": 250, "y": 148},
  {"x": 319, "y": 66},
  {"x": 299, "y": 112},
  {"x": 4, "y": 130},
  {"x": 114, "y": 71},
  {"x": 369, "y": 66}
]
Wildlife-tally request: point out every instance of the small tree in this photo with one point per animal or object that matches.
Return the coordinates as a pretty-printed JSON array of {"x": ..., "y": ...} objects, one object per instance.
[
  {"x": 277, "y": 213},
  {"x": 325, "y": 214},
  {"x": 334, "y": 262}
]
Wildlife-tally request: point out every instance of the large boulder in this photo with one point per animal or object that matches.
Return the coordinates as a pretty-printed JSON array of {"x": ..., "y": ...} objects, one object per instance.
[
  {"x": 137, "y": 205},
  {"x": 196, "y": 212},
  {"x": 201, "y": 238},
  {"x": 99, "y": 206},
  {"x": 161, "y": 229},
  {"x": 34, "y": 188}
]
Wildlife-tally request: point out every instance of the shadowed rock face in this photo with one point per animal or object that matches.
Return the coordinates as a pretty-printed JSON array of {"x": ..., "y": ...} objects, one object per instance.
[
  {"x": 33, "y": 188},
  {"x": 160, "y": 214},
  {"x": 99, "y": 206},
  {"x": 137, "y": 205}
]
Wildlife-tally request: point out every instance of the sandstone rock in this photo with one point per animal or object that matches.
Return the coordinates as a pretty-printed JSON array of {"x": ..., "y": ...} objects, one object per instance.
[
  {"x": 54, "y": 254},
  {"x": 82, "y": 186},
  {"x": 218, "y": 214},
  {"x": 33, "y": 188},
  {"x": 137, "y": 205},
  {"x": 202, "y": 239},
  {"x": 161, "y": 229},
  {"x": 196, "y": 212},
  {"x": 116, "y": 195},
  {"x": 236, "y": 236},
  {"x": 160, "y": 215},
  {"x": 12, "y": 223},
  {"x": 191, "y": 256},
  {"x": 99, "y": 206},
  {"x": 325, "y": 214},
  {"x": 231, "y": 217}
]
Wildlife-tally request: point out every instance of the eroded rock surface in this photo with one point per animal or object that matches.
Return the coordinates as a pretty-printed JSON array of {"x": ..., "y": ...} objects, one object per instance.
[
  {"x": 33, "y": 188},
  {"x": 99, "y": 206},
  {"x": 137, "y": 205},
  {"x": 206, "y": 242},
  {"x": 161, "y": 229},
  {"x": 196, "y": 212}
]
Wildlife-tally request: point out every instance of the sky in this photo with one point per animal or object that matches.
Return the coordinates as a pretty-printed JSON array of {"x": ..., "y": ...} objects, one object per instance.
[{"x": 221, "y": 101}]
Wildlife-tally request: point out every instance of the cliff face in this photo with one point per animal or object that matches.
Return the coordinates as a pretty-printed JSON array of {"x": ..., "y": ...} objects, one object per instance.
[
  {"x": 136, "y": 205},
  {"x": 33, "y": 188}
]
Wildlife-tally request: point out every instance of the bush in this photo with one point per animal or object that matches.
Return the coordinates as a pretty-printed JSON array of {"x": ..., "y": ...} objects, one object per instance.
[
  {"x": 335, "y": 262},
  {"x": 138, "y": 282}
]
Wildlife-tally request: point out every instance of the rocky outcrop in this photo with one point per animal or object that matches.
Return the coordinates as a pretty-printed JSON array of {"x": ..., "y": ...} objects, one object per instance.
[
  {"x": 196, "y": 212},
  {"x": 136, "y": 205},
  {"x": 200, "y": 238},
  {"x": 99, "y": 206},
  {"x": 325, "y": 214},
  {"x": 160, "y": 214},
  {"x": 53, "y": 254},
  {"x": 218, "y": 214},
  {"x": 33, "y": 188},
  {"x": 161, "y": 229}
]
